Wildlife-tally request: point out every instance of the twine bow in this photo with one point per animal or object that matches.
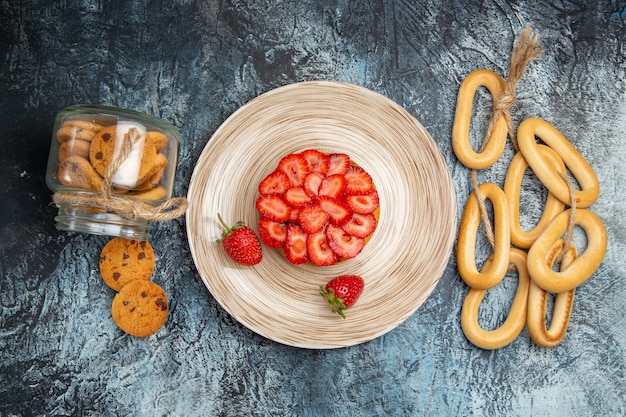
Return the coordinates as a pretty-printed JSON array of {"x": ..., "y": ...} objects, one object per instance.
[
  {"x": 525, "y": 51},
  {"x": 121, "y": 205}
]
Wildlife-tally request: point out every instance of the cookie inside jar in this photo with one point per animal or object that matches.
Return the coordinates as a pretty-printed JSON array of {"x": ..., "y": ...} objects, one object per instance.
[
  {"x": 88, "y": 149},
  {"x": 141, "y": 164}
]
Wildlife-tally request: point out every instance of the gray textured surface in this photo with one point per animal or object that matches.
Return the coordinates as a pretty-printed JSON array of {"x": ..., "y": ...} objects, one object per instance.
[{"x": 194, "y": 63}]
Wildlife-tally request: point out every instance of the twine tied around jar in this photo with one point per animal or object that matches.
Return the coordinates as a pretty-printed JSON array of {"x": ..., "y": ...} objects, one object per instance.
[{"x": 123, "y": 206}]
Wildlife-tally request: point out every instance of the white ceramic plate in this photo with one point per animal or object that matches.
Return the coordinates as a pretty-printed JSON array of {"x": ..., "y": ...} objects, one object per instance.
[{"x": 402, "y": 262}]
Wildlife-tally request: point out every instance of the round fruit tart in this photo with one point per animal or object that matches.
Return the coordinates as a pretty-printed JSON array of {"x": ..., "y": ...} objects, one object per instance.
[{"x": 318, "y": 208}]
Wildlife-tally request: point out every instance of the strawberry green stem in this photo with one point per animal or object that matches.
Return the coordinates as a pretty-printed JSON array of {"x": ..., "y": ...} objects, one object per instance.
[
  {"x": 336, "y": 303},
  {"x": 228, "y": 230},
  {"x": 224, "y": 225}
]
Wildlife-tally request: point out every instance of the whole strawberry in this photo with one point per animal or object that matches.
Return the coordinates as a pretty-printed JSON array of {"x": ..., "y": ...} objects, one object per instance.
[
  {"x": 240, "y": 243},
  {"x": 342, "y": 292}
]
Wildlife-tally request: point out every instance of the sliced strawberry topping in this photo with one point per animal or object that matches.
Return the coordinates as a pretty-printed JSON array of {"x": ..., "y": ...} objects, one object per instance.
[
  {"x": 296, "y": 167},
  {"x": 297, "y": 196},
  {"x": 312, "y": 183},
  {"x": 295, "y": 215},
  {"x": 339, "y": 211},
  {"x": 333, "y": 186},
  {"x": 272, "y": 233},
  {"x": 339, "y": 164},
  {"x": 317, "y": 161},
  {"x": 319, "y": 251},
  {"x": 273, "y": 207},
  {"x": 275, "y": 183},
  {"x": 359, "y": 181},
  {"x": 363, "y": 204},
  {"x": 312, "y": 218},
  {"x": 342, "y": 243},
  {"x": 319, "y": 208},
  {"x": 360, "y": 225},
  {"x": 295, "y": 245}
]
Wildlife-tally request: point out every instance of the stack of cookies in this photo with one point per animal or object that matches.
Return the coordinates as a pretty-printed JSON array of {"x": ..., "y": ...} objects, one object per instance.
[
  {"x": 87, "y": 149},
  {"x": 140, "y": 306}
]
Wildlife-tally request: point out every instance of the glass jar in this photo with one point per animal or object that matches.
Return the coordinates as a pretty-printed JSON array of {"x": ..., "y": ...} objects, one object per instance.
[{"x": 103, "y": 156}]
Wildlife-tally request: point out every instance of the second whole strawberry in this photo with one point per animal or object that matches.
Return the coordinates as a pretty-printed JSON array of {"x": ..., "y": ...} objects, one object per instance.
[
  {"x": 342, "y": 292},
  {"x": 241, "y": 243}
]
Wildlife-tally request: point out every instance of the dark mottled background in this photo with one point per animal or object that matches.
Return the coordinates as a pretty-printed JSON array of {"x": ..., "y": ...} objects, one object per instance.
[{"x": 194, "y": 63}]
